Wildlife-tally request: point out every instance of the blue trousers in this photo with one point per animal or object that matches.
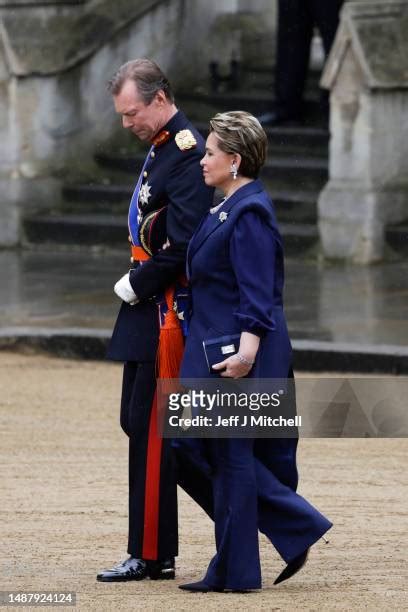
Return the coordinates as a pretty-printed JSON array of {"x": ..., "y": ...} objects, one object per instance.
[
  {"x": 235, "y": 515},
  {"x": 243, "y": 493}
]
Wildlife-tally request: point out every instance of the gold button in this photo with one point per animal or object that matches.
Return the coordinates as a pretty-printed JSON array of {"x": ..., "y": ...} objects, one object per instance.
[
  {"x": 145, "y": 173},
  {"x": 131, "y": 260},
  {"x": 152, "y": 154}
]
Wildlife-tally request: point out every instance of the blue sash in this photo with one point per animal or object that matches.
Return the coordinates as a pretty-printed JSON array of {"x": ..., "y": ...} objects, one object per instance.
[
  {"x": 181, "y": 295},
  {"x": 134, "y": 216}
]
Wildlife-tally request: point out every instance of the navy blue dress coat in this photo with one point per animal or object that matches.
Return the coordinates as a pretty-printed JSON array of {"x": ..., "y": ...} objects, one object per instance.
[{"x": 235, "y": 268}]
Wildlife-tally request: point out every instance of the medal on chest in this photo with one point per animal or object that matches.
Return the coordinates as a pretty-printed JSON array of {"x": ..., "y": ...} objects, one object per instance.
[
  {"x": 144, "y": 194},
  {"x": 143, "y": 198}
]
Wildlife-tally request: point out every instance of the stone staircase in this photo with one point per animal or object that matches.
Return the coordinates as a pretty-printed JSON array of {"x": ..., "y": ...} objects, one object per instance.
[{"x": 93, "y": 211}]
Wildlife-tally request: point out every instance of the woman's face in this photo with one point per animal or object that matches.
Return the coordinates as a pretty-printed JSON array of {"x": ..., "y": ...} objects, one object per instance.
[{"x": 216, "y": 164}]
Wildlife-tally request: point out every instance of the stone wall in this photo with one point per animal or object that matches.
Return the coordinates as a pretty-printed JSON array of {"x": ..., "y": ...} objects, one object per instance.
[{"x": 55, "y": 59}]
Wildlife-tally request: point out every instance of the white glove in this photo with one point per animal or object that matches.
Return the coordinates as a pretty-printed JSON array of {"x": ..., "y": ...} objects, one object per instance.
[{"x": 123, "y": 289}]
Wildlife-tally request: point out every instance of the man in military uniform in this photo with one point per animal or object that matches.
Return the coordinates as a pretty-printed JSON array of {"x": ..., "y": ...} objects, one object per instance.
[{"x": 169, "y": 200}]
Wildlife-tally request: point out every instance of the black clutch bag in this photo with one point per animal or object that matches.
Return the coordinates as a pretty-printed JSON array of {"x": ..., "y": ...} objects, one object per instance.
[{"x": 218, "y": 349}]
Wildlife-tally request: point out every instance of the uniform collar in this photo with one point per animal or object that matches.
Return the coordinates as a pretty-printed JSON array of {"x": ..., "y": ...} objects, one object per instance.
[{"x": 168, "y": 131}]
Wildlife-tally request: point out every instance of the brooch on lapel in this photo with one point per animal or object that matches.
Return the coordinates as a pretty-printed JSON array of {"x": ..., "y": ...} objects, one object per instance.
[{"x": 223, "y": 216}]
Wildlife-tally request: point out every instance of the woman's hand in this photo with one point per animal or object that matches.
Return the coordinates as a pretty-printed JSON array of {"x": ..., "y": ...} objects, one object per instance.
[
  {"x": 232, "y": 368},
  {"x": 240, "y": 365}
]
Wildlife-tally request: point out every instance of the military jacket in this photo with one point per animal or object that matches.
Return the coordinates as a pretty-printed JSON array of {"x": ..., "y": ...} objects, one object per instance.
[{"x": 172, "y": 178}]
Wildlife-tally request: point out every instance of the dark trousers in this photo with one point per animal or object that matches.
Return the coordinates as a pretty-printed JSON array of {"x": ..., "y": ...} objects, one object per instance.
[
  {"x": 236, "y": 564},
  {"x": 152, "y": 482},
  {"x": 244, "y": 493},
  {"x": 296, "y": 21}
]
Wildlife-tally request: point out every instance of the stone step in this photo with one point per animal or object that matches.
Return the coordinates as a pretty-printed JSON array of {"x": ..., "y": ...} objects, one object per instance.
[
  {"x": 263, "y": 77},
  {"x": 202, "y": 105},
  {"x": 294, "y": 206},
  {"x": 298, "y": 171},
  {"x": 105, "y": 230},
  {"x": 81, "y": 198},
  {"x": 287, "y": 140},
  {"x": 110, "y": 231},
  {"x": 309, "y": 141},
  {"x": 298, "y": 238},
  {"x": 101, "y": 193}
]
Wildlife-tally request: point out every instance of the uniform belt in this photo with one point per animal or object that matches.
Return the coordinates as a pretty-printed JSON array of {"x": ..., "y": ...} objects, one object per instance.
[{"x": 138, "y": 254}]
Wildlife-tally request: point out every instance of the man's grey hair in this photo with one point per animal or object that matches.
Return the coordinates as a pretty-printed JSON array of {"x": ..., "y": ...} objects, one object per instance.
[{"x": 146, "y": 75}]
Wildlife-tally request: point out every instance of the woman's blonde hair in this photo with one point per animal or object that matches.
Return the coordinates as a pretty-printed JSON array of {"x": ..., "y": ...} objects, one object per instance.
[{"x": 240, "y": 132}]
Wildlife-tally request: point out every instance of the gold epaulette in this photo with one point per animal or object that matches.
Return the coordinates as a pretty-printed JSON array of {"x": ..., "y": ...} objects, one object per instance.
[{"x": 185, "y": 140}]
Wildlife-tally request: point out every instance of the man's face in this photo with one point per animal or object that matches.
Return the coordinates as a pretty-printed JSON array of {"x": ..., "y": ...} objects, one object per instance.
[{"x": 144, "y": 120}]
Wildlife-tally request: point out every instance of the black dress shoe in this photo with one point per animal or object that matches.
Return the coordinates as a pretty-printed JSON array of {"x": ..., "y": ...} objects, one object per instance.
[
  {"x": 130, "y": 569},
  {"x": 138, "y": 569},
  {"x": 199, "y": 587},
  {"x": 293, "y": 567},
  {"x": 161, "y": 570}
]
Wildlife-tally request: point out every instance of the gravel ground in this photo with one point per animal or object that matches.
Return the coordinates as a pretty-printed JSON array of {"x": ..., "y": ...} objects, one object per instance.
[{"x": 63, "y": 462}]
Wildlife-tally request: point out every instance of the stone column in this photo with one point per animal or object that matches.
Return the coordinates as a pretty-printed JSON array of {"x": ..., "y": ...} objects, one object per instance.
[
  {"x": 9, "y": 216},
  {"x": 367, "y": 74}
]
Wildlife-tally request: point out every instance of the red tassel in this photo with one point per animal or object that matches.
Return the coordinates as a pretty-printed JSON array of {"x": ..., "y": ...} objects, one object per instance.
[{"x": 171, "y": 342}]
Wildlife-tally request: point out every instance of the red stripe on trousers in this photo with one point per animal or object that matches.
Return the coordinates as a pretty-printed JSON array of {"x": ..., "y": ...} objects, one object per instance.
[{"x": 152, "y": 488}]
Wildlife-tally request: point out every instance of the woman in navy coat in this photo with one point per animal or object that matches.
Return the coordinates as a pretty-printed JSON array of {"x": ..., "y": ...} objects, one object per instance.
[{"x": 235, "y": 269}]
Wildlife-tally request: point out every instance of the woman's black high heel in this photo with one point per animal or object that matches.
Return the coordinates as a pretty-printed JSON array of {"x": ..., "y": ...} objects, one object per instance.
[{"x": 293, "y": 567}]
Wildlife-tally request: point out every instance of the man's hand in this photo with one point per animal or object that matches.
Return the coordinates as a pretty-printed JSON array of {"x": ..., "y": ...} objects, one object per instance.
[{"x": 123, "y": 289}]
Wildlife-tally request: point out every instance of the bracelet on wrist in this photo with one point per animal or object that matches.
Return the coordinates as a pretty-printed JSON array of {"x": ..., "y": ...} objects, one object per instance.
[{"x": 243, "y": 359}]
